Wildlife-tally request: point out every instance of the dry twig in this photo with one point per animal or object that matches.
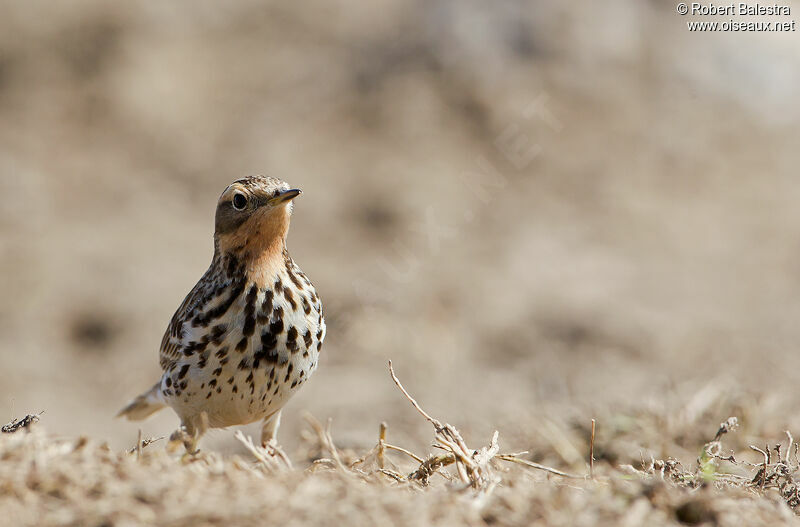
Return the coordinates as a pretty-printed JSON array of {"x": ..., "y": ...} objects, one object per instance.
[
  {"x": 591, "y": 452},
  {"x": 473, "y": 466},
  {"x": 271, "y": 458},
  {"x": 381, "y": 445},
  {"x": 24, "y": 423},
  {"x": 326, "y": 440},
  {"x": 141, "y": 444},
  {"x": 537, "y": 466}
]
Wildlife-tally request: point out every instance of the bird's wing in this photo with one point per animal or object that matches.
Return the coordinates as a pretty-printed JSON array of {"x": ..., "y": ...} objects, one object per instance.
[{"x": 193, "y": 325}]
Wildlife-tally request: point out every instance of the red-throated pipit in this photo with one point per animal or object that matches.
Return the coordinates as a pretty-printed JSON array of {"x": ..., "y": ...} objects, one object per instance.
[{"x": 249, "y": 333}]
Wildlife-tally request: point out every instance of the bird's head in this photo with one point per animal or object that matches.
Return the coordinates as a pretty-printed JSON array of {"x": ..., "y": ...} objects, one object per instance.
[{"x": 253, "y": 216}]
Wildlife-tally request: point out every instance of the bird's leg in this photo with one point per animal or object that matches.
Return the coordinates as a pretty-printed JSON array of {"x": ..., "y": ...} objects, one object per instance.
[
  {"x": 185, "y": 435},
  {"x": 269, "y": 430},
  {"x": 189, "y": 434}
]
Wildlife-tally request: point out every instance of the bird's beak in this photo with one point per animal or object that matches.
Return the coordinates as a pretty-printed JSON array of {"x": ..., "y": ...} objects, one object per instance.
[{"x": 285, "y": 196}]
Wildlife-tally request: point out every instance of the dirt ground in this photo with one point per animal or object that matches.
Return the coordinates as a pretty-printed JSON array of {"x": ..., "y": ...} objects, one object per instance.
[{"x": 542, "y": 212}]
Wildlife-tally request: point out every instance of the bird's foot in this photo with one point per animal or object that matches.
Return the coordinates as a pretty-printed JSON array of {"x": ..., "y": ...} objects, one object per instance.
[
  {"x": 181, "y": 437},
  {"x": 276, "y": 452}
]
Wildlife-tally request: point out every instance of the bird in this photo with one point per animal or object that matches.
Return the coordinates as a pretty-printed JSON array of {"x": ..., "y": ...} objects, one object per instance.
[{"x": 250, "y": 332}]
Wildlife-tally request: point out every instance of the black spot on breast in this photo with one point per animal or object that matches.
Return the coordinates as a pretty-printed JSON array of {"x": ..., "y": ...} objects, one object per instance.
[
  {"x": 193, "y": 347},
  {"x": 276, "y": 326},
  {"x": 268, "y": 351},
  {"x": 292, "y": 276},
  {"x": 235, "y": 389},
  {"x": 287, "y": 293},
  {"x": 184, "y": 371},
  {"x": 249, "y": 311},
  {"x": 291, "y": 340},
  {"x": 218, "y": 333},
  {"x": 221, "y": 352},
  {"x": 244, "y": 364},
  {"x": 249, "y": 325},
  {"x": 212, "y": 383},
  {"x": 169, "y": 381},
  {"x": 278, "y": 286},
  {"x": 266, "y": 305},
  {"x": 306, "y": 306},
  {"x": 308, "y": 340},
  {"x": 242, "y": 345},
  {"x": 217, "y": 372}
]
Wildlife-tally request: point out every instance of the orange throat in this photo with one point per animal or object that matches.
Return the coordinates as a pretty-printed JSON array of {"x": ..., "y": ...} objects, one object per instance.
[{"x": 259, "y": 244}]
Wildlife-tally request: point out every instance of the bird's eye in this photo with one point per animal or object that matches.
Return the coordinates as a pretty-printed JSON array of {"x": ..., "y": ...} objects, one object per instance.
[{"x": 239, "y": 201}]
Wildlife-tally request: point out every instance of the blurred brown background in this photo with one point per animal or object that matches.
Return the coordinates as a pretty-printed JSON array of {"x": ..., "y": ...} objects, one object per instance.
[{"x": 531, "y": 207}]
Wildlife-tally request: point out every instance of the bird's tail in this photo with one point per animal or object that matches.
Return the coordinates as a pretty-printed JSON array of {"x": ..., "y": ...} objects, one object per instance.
[{"x": 144, "y": 405}]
